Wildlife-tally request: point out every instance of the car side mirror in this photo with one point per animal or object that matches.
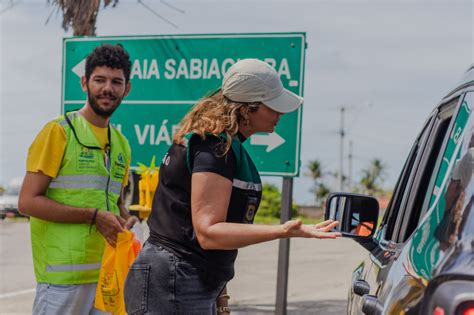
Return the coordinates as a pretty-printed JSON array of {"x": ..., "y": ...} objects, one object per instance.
[{"x": 357, "y": 214}]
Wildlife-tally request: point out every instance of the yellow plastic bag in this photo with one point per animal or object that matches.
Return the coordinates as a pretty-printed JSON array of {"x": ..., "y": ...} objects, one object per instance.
[{"x": 115, "y": 265}]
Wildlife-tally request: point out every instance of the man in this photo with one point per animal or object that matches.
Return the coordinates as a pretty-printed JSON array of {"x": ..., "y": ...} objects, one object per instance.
[{"x": 74, "y": 189}]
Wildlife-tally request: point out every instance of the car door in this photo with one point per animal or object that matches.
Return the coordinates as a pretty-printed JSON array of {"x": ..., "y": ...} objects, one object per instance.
[
  {"x": 409, "y": 200},
  {"x": 403, "y": 280},
  {"x": 375, "y": 264}
]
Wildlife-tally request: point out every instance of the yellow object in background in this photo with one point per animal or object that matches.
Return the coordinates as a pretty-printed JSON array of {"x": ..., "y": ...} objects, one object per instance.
[{"x": 146, "y": 187}]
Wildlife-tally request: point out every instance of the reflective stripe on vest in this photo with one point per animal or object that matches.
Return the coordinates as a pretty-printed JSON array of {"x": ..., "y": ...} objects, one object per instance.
[
  {"x": 71, "y": 116},
  {"x": 246, "y": 185},
  {"x": 78, "y": 267},
  {"x": 86, "y": 181}
]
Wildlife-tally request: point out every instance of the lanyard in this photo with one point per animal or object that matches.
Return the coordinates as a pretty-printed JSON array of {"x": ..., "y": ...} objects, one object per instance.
[{"x": 107, "y": 146}]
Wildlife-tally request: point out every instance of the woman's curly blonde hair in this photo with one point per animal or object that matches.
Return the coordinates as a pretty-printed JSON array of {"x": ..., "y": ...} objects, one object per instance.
[{"x": 215, "y": 114}]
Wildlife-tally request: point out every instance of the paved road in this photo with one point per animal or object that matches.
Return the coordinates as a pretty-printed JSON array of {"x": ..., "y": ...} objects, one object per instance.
[{"x": 318, "y": 276}]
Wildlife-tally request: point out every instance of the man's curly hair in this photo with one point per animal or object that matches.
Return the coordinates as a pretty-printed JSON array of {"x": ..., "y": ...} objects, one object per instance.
[{"x": 112, "y": 56}]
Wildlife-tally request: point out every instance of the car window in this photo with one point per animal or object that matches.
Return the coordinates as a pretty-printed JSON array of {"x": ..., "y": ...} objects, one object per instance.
[
  {"x": 425, "y": 175},
  {"x": 400, "y": 191},
  {"x": 451, "y": 195},
  {"x": 444, "y": 119}
]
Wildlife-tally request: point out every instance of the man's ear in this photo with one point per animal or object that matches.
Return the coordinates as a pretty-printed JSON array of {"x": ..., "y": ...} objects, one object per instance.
[
  {"x": 127, "y": 88},
  {"x": 84, "y": 83}
]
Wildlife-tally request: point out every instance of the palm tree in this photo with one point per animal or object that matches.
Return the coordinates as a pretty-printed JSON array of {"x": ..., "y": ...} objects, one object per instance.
[
  {"x": 315, "y": 169},
  {"x": 373, "y": 176},
  {"x": 320, "y": 190},
  {"x": 81, "y": 15}
]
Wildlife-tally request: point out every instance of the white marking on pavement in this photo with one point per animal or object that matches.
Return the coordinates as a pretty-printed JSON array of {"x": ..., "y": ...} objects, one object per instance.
[{"x": 7, "y": 295}]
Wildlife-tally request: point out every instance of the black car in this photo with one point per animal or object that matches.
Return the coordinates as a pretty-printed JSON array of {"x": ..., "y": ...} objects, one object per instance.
[{"x": 421, "y": 254}]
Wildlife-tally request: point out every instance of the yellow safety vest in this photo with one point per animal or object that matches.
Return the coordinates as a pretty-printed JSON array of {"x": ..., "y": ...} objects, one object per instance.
[{"x": 89, "y": 177}]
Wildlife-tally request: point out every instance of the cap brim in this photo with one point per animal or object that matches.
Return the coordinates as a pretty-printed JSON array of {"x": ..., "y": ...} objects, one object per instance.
[{"x": 285, "y": 103}]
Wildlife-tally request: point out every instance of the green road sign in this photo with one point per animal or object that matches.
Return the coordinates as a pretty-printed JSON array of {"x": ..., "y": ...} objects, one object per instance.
[{"x": 170, "y": 73}]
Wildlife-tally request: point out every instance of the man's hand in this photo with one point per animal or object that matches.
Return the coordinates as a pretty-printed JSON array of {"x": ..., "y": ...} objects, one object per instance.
[
  {"x": 130, "y": 222},
  {"x": 109, "y": 225}
]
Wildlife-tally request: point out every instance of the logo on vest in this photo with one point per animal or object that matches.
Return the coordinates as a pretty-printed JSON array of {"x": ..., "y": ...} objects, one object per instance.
[
  {"x": 119, "y": 167},
  {"x": 86, "y": 159},
  {"x": 86, "y": 153},
  {"x": 120, "y": 162},
  {"x": 120, "y": 158}
]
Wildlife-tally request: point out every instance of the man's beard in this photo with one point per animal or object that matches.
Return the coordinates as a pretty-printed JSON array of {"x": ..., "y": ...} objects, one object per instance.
[{"x": 105, "y": 113}]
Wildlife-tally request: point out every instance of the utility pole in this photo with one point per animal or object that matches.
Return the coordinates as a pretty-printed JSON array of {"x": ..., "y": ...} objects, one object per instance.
[
  {"x": 349, "y": 171},
  {"x": 341, "y": 152}
]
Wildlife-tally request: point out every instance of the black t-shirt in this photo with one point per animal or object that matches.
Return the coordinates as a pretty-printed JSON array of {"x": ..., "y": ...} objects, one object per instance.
[
  {"x": 170, "y": 221},
  {"x": 207, "y": 156}
]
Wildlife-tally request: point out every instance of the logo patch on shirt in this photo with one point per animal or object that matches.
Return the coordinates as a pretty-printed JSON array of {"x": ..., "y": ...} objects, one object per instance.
[
  {"x": 120, "y": 163},
  {"x": 119, "y": 167},
  {"x": 86, "y": 159},
  {"x": 250, "y": 209},
  {"x": 86, "y": 153}
]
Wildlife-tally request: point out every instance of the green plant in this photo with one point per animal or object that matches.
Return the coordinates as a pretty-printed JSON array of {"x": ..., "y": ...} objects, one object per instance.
[
  {"x": 373, "y": 177},
  {"x": 270, "y": 205}
]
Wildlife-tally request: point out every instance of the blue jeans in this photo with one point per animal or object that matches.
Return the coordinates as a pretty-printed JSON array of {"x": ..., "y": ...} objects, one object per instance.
[{"x": 159, "y": 282}]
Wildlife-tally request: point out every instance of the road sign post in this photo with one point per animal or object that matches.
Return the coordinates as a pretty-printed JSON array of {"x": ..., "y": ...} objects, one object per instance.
[{"x": 284, "y": 249}]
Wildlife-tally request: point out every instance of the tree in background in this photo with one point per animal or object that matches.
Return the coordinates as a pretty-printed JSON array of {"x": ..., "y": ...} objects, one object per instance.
[
  {"x": 81, "y": 15},
  {"x": 315, "y": 170},
  {"x": 270, "y": 205},
  {"x": 373, "y": 177},
  {"x": 370, "y": 183},
  {"x": 319, "y": 189},
  {"x": 321, "y": 193}
]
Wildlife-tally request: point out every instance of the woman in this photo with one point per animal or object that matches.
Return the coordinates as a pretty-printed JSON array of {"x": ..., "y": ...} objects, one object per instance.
[{"x": 207, "y": 198}]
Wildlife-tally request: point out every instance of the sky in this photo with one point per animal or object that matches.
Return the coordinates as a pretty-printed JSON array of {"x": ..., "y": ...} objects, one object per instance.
[{"x": 387, "y": 62}]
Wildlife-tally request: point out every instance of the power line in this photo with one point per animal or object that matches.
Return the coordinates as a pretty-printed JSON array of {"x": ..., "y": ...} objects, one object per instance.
[
  {"x": 12, "y": 4},
  {"x": 354, "y": 121},
  {"x": 173, "y": 7},
  {"x": 156, "y": 14}
]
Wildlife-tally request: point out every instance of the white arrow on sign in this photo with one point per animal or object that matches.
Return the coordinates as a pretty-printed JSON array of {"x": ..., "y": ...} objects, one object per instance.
[
  {"x": 80, "y": 68},
  {"x": 271, "y": 140}
]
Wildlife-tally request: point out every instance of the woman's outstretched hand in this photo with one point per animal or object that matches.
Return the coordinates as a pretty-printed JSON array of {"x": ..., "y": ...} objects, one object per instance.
[{"x": 295, "y": 228}]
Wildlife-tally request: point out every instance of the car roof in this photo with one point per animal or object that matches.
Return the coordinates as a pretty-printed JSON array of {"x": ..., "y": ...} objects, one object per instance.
[{"x": 465, "y": 84}]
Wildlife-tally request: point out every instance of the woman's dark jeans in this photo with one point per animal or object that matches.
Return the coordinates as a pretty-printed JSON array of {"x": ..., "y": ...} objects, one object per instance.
[{"x": 159, "y": 282}]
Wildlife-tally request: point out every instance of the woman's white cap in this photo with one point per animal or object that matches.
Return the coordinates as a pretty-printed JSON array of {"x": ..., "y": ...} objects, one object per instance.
[{"x": 253, "y": 80}]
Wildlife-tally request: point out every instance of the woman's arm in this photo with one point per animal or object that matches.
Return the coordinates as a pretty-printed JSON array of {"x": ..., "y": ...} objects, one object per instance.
[
  {"x": 222, "y": 302},
  {"x": 210, "y": 197}
]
